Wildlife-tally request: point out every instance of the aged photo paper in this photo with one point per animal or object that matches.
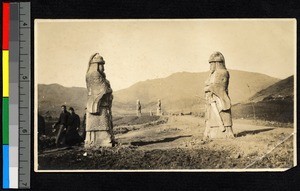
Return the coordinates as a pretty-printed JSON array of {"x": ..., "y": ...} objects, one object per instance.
[{"x": 191, "y": 95}]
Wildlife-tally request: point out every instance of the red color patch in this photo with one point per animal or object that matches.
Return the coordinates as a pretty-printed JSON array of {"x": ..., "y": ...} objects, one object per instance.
[{"x": 5, "y": 26}]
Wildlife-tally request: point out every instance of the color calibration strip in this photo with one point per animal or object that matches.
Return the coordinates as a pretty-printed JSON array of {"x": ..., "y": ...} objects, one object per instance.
[
  {"x": 16, "y": 94},
  {"x": 5, "y": 96}
]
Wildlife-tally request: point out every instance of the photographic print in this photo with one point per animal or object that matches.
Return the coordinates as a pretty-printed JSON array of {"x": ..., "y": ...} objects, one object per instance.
[{"x": 165, "y": 95}]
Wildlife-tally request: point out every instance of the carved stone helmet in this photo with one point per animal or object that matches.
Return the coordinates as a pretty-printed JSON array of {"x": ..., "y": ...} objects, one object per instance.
[
  {"x": 96, "y": 58},
  {"x": 216, "y": 57}
]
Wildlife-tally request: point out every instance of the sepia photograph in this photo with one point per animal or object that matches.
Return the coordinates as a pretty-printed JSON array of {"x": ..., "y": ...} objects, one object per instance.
[{"x": 134, "y": 95}]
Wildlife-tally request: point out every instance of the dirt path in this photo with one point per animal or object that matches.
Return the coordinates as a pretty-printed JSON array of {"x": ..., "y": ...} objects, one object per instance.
[
  {"x": 187, "y": 131},
  {"x": 177, "y": 145},
  {"x": 251, "y": 142}
]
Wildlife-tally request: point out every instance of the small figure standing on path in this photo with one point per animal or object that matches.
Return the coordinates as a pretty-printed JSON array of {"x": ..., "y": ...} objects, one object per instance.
[{"x": 218, "y": 104}]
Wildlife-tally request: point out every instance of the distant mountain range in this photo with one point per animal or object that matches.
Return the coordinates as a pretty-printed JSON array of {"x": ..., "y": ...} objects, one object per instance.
[{"x": 179, "y": 92}]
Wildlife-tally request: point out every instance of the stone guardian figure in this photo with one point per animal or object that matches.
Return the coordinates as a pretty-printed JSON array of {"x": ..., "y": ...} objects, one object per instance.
[
  {"x": 218, "y": 118},
  {"x": 99, "y": 127},
  {"x": 138, "y": 108},
  {"x": 158, "y": 108}
]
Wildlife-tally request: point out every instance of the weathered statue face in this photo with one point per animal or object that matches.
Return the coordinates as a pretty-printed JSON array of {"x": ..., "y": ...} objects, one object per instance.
[
  {"x": 212, "y": 66},
  {"x": 220, "y": 65}
]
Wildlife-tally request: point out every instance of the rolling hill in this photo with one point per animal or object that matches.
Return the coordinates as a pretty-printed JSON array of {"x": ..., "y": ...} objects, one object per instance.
[
  {"x": 51, "y": 97},
  {"x": 274, "y": 103},
  {"x": 283, "y": 89},
  {"x": 179, "y": 92},
  {"x": 183, "y": 92}
]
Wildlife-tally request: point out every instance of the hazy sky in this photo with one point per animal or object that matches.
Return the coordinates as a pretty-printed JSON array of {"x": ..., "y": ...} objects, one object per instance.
[{"x": 137, "y": 50}]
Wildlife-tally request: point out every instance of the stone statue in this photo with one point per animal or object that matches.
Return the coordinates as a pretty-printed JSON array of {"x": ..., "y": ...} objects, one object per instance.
[
  {"x": 218, "y": 119},
  {"x": 138, "y": 108},
  {"x": 158, "y": 108},
  {"x": 99, "y": 127}
]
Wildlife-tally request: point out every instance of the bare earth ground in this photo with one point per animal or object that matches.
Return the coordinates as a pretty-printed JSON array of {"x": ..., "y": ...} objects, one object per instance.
[{"x": 174, "y": 142}]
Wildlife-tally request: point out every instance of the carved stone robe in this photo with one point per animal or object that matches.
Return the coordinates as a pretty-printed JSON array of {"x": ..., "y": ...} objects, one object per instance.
[
  {"x": 217, "y": 85},
  {"x": 99, "y": 102}
]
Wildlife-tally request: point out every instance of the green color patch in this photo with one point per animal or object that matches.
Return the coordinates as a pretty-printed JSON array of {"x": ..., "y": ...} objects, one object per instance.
[{"x": 5, "y": 120}]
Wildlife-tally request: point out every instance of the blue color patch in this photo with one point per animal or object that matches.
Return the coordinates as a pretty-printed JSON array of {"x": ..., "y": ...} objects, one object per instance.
[{"x": 5, "y": 166}]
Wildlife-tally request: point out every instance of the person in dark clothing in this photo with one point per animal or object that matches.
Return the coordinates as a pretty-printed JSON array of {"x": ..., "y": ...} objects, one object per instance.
[
  {"x": 62, "y": 122},
  {"x": 72, "y": 136}
]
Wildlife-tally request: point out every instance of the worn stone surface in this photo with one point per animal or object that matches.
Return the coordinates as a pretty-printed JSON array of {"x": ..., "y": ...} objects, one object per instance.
[
  {"x": 98, "y": 114},
  {"x": 158, "y": 108},
  {"x": 98, "y": 138},
  {"x": 218, "y": 105},
  {"x": 138, "y": 108}
]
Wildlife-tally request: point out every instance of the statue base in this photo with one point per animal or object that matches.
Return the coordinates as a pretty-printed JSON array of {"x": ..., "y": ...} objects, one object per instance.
[
  {"x": 217, "y": 133},
  {"x": 98, "y": 139}
]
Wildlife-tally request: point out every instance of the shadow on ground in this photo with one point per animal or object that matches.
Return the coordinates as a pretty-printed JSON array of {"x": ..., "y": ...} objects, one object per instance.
[
  {"x": 253, "y": 132},
  {"x": 168, "y": 139}
]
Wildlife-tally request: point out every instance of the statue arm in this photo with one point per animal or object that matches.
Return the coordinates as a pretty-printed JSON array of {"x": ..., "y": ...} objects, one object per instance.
[
  {"x": 87, "y": 86},
  {"x": 98, "y": 87},
  {"x": 219, "y": 87},
  {"x": 220, "y": 80}
]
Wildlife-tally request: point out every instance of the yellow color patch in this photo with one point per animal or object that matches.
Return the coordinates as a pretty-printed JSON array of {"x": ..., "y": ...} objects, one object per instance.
[{"x": 5, "y": 72}]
